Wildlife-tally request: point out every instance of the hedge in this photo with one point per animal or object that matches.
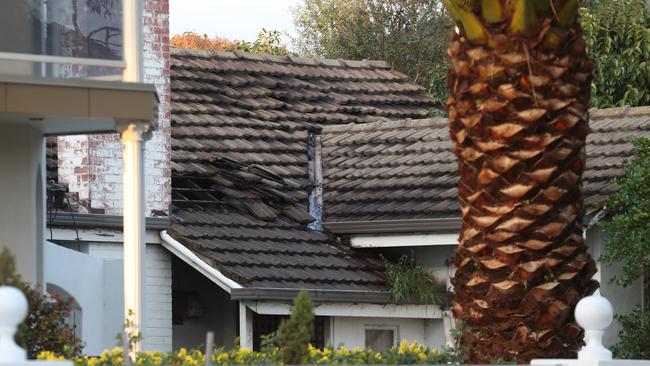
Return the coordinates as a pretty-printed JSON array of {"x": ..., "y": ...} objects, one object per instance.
[{"x": 405, "y": 354}]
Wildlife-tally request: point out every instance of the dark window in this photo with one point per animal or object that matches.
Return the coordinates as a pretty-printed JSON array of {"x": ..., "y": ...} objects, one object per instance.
[
  {"x": 266, "y": 324},
  {"x": 380, "y": 340}
]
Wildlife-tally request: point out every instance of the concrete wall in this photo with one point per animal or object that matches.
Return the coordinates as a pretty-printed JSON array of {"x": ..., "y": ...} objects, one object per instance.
[
  {"x": 350, "y": 331},
  {"x": 220, "y": 313},
  {"x": 22, "y": 198}
]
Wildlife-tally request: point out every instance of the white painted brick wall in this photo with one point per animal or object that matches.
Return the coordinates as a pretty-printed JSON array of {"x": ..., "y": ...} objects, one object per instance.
[
  {"x": 157, "y": 330},
  {"x": 92, "y": 165}
]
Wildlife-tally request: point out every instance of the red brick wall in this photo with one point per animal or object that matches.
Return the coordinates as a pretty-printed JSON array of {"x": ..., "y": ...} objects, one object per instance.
[{"x": 92, "y": 165}]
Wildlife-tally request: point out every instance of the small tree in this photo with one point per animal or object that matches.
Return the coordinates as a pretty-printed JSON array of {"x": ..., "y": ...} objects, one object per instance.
[
  {"x": 295, "y": 333},
  {"x": 44, "y": 329},
  {"x": 617, "y": 33},
  {"x": 628, "y": 242}
]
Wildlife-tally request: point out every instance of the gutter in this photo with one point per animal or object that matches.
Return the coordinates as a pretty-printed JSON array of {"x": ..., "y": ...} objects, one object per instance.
[
  {"x": 395, "y": 226},
  {"x": 317, "y": 295},
  {"x": 66, "y": 219},
  {"x": 187, "y": 256},
  {"x": 437, "y": 225}
]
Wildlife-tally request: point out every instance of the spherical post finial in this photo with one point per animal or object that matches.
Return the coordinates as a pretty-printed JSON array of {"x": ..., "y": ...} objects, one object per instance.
[
  {"x": 13, "y": 310},
  {"x": 594, "y": 314}
]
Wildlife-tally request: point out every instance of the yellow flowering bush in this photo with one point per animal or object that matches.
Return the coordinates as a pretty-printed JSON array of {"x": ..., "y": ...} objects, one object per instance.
[{"x": 405, "y": 354}]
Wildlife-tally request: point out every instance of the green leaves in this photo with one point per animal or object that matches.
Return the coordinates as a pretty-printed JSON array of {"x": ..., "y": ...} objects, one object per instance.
[
  {"x": 628, "y": 222},
  {"x": 295, "y": 333},
  {"x": 634, "y": 336},
  {"x": 409, "y": 281},
  {"x": 412, "y": 35},
  {"x": 617, "y": 34}
]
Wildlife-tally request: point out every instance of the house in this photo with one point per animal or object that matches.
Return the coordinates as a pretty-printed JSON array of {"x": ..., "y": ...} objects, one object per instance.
[
  {"x": 246, "y": 185},
  {"x": 267, "y": 175},
  {"x": 67, "y": 70},
  {"x": 390, "y": 187}
]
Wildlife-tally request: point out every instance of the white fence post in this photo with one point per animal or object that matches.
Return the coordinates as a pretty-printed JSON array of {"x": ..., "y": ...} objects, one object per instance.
[
  {"x": 594, "y": 314},
  {"x": 13, "y": 310}
]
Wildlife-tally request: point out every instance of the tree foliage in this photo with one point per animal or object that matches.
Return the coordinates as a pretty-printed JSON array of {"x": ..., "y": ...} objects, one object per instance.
[
  {"x": 617, "y": 33},
  {"x": 268, "y": 42},
  {"x": 412, "y": 35},
  {"x": 628, "y": 221},
  {"x": 295, "y": 333},
  {"x": 45, "y": 328}
]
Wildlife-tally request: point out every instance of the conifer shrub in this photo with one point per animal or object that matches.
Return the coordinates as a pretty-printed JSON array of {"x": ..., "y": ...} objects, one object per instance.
[{"x": 295, "y": 333}]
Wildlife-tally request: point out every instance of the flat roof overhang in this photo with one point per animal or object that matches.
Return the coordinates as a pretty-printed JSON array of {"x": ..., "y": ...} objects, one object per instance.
[{"x": 74, "y": 106}]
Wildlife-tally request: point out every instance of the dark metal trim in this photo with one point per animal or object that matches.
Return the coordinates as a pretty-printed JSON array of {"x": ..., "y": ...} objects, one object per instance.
[
  {"x": 395, "y": 226},
  {"x": 401, "y": 226},
  {"x": 67, "y": 219},
  {"x": 281, "y": 294}
]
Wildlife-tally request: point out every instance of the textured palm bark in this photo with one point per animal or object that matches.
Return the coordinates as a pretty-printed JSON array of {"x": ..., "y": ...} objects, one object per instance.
[{"x": 518, "y": 119}]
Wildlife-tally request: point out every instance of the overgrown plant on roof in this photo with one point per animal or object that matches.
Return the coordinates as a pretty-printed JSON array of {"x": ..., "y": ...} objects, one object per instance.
[
  {"x": 520, "y": 85},
  {"x": 410, "y": 282},
  {"x": 627, "y": 224}
]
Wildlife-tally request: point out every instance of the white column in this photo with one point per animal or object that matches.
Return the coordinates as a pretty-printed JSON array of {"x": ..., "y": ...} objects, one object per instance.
[
  {"x": 132, "y": 23},
  {"x": 245, "y": 326},
  {"x": 134, "y": 134}
]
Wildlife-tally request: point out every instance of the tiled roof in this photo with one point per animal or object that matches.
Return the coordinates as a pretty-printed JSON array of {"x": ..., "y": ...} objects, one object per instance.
[
  {"x": 403, "y": 170},
  {"x": 241, "y": 127},
  {"x": 238, "y": 219}
]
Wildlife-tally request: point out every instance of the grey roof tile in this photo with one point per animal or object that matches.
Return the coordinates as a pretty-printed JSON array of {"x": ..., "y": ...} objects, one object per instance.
[{"x": 401, "y": 170}]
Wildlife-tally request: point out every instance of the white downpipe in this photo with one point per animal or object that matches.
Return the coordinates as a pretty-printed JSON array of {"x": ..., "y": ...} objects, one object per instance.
[
  {"x": 132, "y": 40},
  {"x": 197, "y": 263},
  {"x": 134, "y": 134}
]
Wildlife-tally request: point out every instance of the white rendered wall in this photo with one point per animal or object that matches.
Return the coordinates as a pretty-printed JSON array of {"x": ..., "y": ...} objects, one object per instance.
[
  {"x": 350, "y": 331},
  {"x": 623, "y": 299},
  {"x": 22, "y": 197},
  {"x": 157, "y": 330},
  {"x": 64, "y": 268}
]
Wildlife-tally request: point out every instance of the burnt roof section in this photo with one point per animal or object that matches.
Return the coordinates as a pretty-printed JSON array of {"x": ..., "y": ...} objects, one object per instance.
[
  {"x": 405, "y": 170},
  {"x": 241, "y": 126},
  {"x": 237, "y": 218}
]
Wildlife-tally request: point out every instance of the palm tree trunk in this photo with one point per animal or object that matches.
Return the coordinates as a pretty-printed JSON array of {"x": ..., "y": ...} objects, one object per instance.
[{"x": 520, "y": 90}]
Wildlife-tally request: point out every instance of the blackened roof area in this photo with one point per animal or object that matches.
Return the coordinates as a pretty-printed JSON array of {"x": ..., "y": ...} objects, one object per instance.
[{"x": 241, "y": 125}]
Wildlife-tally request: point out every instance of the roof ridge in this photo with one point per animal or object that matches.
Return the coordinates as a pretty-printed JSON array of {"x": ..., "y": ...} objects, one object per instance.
[
  {"x": 619, "y": 111},
  {"x": 289, "y": 59},
  {"x": 386, "y": 125}
]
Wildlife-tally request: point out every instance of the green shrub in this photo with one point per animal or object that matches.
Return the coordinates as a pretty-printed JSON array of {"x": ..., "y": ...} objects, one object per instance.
[
  {"x": 44, "y": 329},
  {"x": 409, "y": 281},
  {"x": 634, "y": 337},
  {"x": 295, "y": 333},
  {"x": 405, "y": 354}
]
